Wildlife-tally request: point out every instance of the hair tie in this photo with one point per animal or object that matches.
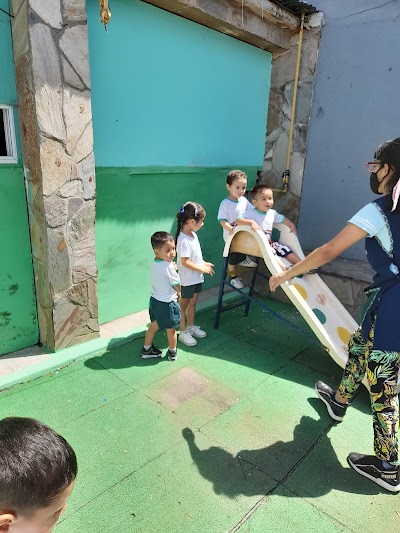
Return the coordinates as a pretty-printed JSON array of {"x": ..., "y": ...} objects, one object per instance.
[{"x": 182, "y": 209}]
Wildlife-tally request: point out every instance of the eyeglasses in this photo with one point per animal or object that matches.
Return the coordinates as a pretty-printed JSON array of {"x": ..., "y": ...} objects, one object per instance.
[{"x": 371, "y": 166}]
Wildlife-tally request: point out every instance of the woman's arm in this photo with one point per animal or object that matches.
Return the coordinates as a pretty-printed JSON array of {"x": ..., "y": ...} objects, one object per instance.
[{"x": 349, "y": 235}]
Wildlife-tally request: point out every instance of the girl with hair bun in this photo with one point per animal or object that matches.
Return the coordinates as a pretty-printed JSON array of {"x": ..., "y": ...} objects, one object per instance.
[{"x": 192, "y": 268}]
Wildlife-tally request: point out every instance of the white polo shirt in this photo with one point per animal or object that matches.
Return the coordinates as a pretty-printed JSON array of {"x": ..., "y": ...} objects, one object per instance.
[
  {"x": 264, "y": 220},
  {"x": 189, "y": 247},
  {"x": 164, "y": 278},
  {"x": 231, "y": 210}
]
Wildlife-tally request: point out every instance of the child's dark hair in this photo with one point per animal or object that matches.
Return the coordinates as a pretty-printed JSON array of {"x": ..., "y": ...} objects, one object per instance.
[
  {"x": 389, "y": 152},
  {"x": 258, "y": 188},
  {"x": 189, "y": 210},
  {"x": 235, "y": 175},
  {"x": 36, "y": 465},
  {"x": 159, "y": 238}
]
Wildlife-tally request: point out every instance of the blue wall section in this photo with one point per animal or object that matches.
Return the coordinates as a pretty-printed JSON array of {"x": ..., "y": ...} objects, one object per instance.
[
  {"x": 355, "y": 107},
  {"x": 167, "y": 91}
]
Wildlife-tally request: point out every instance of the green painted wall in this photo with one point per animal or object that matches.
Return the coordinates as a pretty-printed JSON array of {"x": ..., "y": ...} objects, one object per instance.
[
  {"x": 134, "y": 203},
  {"x": 18, "y": 319},
  {"x": 175, "y": 107}
]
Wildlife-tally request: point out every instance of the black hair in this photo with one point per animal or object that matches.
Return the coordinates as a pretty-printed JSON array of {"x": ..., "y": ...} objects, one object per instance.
[
  {"x": 36, "y": 465},
  {"x": 258, "y": 188},
  {"x": 389, "y": 152},
  {"x": 159, "y": 238},
  {"x": 189, "y": 210},
  {"x": 235, "y": 175}
]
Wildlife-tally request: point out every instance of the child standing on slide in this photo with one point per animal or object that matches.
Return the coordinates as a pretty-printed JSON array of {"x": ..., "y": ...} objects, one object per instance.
[
  {"x": 192, "y": 268},
  {"x": 230, "y": 210}
]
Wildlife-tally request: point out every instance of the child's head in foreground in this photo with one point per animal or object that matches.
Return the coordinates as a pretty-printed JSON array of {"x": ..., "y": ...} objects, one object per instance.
[
  {"x": 262, "y": 197},
  {"x": 37, "y": 472},
  {"x": 236, "y": 182},
  {"x": 163, "y": 246}
]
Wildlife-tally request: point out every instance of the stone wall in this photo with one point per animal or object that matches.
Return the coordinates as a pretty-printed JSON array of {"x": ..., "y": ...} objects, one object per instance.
[
  {"x": 53, "y": 82},
  {"x": 279, "y": 116}
]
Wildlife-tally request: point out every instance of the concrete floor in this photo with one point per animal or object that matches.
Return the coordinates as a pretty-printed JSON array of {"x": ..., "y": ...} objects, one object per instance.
[{"x": 228, "y": 438}]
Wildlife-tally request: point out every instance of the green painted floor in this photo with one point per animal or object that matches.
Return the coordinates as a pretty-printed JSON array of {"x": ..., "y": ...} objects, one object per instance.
[{"x": 228, "y": 438}]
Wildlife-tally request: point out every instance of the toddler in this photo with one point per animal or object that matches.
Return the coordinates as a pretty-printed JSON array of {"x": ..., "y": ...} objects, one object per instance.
[
  {"x": 164, "y": 309},
  {"x": 230, "y": 211},
  {"x": 262, "y": 216},
  {"x": 37, "y": 473},
  {"x": 191, "y": 269}
]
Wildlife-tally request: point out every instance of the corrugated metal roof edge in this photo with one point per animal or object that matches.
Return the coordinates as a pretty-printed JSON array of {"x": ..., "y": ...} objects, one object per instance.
[{"x": 296, "y": 6}]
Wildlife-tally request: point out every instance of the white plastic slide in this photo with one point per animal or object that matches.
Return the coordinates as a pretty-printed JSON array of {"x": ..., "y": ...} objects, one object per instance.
[{"x": 320, "y": 308}]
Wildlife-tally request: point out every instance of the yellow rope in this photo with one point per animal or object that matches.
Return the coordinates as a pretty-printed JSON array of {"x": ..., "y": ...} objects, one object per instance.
[{"x": 105, "y": 13}]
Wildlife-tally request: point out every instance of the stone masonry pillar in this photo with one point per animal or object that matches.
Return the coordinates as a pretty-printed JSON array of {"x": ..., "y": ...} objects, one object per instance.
[{"x": 53, "y": 82}]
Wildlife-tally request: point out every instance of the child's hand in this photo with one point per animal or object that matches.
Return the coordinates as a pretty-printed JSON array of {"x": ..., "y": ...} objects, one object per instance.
[
  {"x": 231, "y": 229},
  {"x": 174, "y": 265},
  {"x": 179, "y": 294},
  {"x": 208, "y": 268},
  {"x": 291, "y": 227},
  {"x": 254, "y": 226}
]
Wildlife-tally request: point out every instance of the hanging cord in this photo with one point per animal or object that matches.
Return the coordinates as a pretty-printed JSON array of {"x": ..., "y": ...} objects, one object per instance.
[
  {"x": 262, "y": 9},
  {"x": 105, "y": 13},
  {"x": 286, "y": 173},
  {"x": 242, "y": 14},
  {"x": 7, "y": 13}
]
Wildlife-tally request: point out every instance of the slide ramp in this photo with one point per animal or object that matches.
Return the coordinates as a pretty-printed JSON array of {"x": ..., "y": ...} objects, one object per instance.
[{"x": 327, "y": 317}]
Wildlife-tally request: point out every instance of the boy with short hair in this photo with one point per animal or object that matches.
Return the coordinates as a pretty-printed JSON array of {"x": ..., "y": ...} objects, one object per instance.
[
  {"x": 262, "y": 216},
  {"x": 164, "y": 309},
  {"x": 37, "y": 473}
]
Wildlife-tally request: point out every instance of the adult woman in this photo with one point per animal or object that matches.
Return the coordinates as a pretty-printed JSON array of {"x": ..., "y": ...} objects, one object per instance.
[{"x": 375, "y": 347}]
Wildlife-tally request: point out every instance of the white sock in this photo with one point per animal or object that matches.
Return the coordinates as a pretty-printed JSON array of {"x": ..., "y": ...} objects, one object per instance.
[
  {"x": 147, "y": 346},
  {"x": 172, "y": 351}
]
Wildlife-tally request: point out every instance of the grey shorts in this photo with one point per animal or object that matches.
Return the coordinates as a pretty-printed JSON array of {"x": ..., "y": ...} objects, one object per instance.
[
  {"x": 189, "y": 291},
  {"x": 167, "y": 314}
]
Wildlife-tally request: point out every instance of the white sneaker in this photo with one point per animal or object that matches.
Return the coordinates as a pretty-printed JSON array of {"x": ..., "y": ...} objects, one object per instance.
[
  {"x": 196, "y": 331},
  {"x": 237, "y": 283},
  {"x": 187, "y": 338},
  {"x": 248, "y": 263}
]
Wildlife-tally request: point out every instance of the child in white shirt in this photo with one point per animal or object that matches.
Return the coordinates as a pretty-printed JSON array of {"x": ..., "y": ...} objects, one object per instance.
[
  {"x": 192, "y": 268},
  {"x": 230, "y": 211},
  {"x": 263, "y": 216},
  {"x": 164, "y": 309}
]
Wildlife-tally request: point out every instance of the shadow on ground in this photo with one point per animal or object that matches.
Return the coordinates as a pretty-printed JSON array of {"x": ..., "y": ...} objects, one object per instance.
[{"x": 221, "y": 467}]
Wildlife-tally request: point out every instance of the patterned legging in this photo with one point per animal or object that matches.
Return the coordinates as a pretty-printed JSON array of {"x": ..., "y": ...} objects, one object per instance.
[{"x": 382, "y": 371}]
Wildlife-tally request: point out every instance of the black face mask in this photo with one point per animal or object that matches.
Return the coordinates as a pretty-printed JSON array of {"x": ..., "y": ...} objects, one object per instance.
[{"x": 374, "y": 183}]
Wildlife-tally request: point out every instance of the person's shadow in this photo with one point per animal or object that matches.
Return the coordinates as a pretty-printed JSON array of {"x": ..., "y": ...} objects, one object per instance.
[{"x": 249, "y": 472}]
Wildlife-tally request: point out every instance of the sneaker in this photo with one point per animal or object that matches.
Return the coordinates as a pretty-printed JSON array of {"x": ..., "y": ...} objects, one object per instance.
[
  {"x": 237, "y": 283},
  {"x": 196, "y": 331},
  {"x": 371, "y": 467},
  {"x": 187, "y": 338},
  {"x": 327, "y": 395},
  {"x": 151, "y": 353},
  {"x": 172, "y": 356},
  {"x": 248, "y": 263}
]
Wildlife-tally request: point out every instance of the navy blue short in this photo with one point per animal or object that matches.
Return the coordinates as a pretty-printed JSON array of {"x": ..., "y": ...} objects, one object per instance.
[{"x": 167, "y": 314}]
